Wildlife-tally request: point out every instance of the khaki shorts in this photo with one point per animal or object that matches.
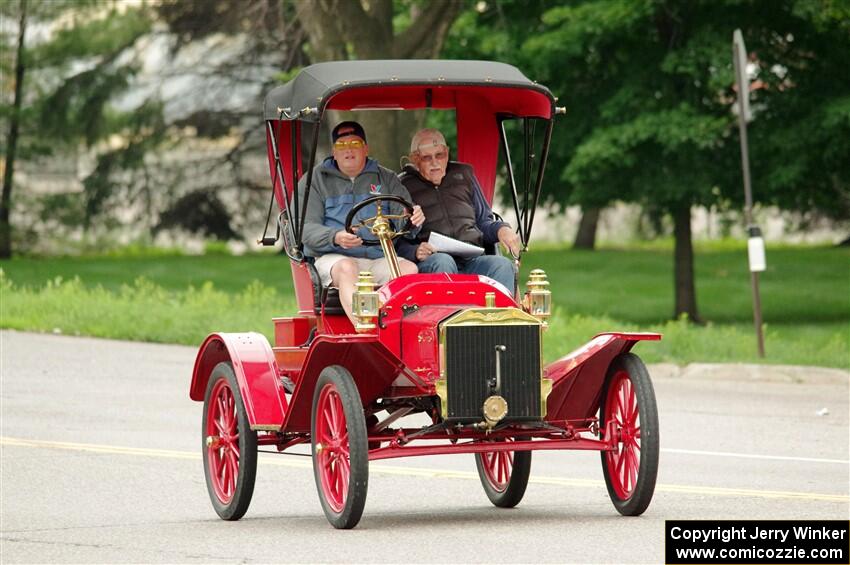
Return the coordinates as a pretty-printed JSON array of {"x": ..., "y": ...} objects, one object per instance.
[{"x": 380, "y": 268}]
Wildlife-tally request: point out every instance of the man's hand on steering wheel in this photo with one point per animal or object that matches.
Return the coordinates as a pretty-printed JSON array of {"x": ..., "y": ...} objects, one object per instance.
[
  {"x": 410, "y": 212},
  {"x": 417, "y": 218},
  {"x": 347, "y": 240}
]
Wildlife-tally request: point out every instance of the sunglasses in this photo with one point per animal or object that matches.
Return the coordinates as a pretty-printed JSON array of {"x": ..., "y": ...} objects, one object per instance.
[
  {"x": 439, "y": 156},
  {"x": 351, "y": 144}
]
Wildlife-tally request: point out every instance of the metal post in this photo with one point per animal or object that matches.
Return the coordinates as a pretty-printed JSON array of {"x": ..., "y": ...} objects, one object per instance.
[
  {"x": 754, "y": 281},
  {"x": 755, "y": 243}
]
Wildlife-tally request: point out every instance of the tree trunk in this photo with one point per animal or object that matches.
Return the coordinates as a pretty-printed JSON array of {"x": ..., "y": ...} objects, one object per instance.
[
  {"x": 683, "y": 268},
  {"x": 586, "y": 235},
  {"x": 342, "y": 29},
  {"x": 389, "y": 134},
  {"x": 11, "y": 148}
]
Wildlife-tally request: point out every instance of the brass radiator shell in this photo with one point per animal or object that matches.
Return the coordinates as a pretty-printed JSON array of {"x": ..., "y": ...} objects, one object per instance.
[{"x": 468, "y": 342}]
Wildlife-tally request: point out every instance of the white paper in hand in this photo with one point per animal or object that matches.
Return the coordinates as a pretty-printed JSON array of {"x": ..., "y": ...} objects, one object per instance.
[{"x": 454, "y": 247}]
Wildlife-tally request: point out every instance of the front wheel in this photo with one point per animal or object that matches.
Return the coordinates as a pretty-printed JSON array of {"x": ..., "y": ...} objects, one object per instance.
[
  {"x": 504, "y": 475},
  {"x": 229, "y": 445},
  {"x": 340, "y": 447},
  {"x": 628, "y": 410}
]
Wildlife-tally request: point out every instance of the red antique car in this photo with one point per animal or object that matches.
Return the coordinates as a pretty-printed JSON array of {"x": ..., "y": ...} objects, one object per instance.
[{"x": 461, "y": 349}]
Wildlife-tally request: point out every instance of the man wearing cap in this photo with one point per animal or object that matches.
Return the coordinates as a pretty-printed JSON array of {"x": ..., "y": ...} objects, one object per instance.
[
  {"x": 453, "y": 202},
  {"x": 339, "y": 182}
]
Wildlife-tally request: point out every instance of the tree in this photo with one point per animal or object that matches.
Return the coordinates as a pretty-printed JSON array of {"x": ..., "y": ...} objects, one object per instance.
[
  {"x": 11, "y": 148},
  {"x": 642, "y": 89},
  {"x": 276, "y": 44},
  {"x": 378, "y": 29},
  {"x": 586, "y": 233},
  {"x": 248, "y": 48},
  {"x": 497, "y": 31},
  {"x": 87, "y": 68},
  {"x": 72, "y": 76},
  {"x": 650, "y": 86}
]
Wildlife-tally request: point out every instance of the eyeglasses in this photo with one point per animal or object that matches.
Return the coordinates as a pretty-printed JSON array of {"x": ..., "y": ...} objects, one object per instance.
[
  {"x": 439, "y": 156},
  {"x": 351, "y": 144}
]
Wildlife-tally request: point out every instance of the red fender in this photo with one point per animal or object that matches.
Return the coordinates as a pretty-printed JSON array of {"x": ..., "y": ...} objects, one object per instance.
[
  {"x": 578, "y": 377},
  {"x": 372, "y": 365},
  {"x": 256, "y": 372}
]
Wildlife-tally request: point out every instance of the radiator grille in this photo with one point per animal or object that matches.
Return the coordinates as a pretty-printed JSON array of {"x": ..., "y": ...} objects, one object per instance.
[{"x": 471, "y": 364}]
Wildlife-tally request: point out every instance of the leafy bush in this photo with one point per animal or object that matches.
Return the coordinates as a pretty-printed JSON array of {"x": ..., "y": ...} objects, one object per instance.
[{"x": 141, "y": 311}]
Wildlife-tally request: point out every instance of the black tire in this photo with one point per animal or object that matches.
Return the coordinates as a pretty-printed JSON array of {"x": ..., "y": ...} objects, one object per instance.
[
  {"x": 505, "y": 493},
  {"x": 631, "y": 493},
  {"x": 341, "y": 468},
  {"x": 224, "y": 414}
]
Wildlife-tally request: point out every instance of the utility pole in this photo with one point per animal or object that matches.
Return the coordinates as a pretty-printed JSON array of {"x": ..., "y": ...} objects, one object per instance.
[{"x": 755, "y": 242}]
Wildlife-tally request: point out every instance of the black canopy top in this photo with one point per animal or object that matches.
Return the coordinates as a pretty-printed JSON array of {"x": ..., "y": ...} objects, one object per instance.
[{"x": 317, "y": 84}]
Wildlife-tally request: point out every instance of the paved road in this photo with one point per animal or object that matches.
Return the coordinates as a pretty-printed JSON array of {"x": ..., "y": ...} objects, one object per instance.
[{"x": 101, "y": 463}]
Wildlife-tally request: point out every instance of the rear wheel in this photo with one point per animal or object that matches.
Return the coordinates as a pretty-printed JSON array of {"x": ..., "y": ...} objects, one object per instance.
[
  {"x": 504, "y": 475},
  {"x": 628, "y": 401},
  {"x": 340, "y": 447},
  {"x": 229, "y": 445}
]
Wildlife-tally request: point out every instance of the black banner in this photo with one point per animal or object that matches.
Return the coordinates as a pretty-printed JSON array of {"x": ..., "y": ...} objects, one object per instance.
[{"x": 693, "y": 542}]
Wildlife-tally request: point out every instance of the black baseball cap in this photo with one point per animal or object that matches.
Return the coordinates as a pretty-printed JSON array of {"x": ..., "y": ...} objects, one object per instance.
[{"x": 348, "y": 128}]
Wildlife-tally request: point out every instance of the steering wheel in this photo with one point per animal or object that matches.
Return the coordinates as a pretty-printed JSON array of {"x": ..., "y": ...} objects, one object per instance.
[{"x": 380, "y": 221}]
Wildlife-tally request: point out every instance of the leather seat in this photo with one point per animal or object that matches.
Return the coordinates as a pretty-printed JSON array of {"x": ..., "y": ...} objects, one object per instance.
[
  {"x": 331, "y": 302},
  {"x": 324, "y": 296}
]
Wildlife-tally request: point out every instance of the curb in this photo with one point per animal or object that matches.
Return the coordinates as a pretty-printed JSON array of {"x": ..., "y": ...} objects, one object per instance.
[{"x": 750, "y": 372}]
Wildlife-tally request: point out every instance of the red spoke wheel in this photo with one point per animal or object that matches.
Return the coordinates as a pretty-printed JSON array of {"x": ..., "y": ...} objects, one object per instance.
[
  {"x": 340, "y": 447},
  {"x": 628, "y": 402},
  {"x": 228, "y": 444},
  {"x": 504, "y": 475}
]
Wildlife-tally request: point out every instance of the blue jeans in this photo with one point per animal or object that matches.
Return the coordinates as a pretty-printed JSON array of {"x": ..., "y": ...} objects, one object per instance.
[{"x": 498, "y": 268}]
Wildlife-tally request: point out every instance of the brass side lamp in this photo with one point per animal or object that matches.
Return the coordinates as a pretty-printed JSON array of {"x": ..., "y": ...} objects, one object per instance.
[
  {"x": 538, "y": 299},
  {"x": 365, "y": 303}
]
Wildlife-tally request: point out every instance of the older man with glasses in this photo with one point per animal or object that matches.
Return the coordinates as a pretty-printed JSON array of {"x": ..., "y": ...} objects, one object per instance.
[
  {"x": 454, "y": 206},
  {"x": 339, "y": 182}
]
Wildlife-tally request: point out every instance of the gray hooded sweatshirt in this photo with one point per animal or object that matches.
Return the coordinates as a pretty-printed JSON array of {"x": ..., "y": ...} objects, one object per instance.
[{"x": 333, "y": 194}]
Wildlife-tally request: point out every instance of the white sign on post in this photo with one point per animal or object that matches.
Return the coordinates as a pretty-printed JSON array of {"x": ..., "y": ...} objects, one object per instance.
[{"x": 755, "y": 249}]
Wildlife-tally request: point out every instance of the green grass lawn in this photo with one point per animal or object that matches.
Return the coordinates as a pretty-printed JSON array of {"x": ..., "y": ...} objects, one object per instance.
[{"x": 805, "y": 295}]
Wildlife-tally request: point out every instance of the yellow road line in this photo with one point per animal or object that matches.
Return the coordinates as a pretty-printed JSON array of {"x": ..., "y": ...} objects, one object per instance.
[
  {"x": 422, "y": 472},
  {"x": 94, "y": 448}
]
